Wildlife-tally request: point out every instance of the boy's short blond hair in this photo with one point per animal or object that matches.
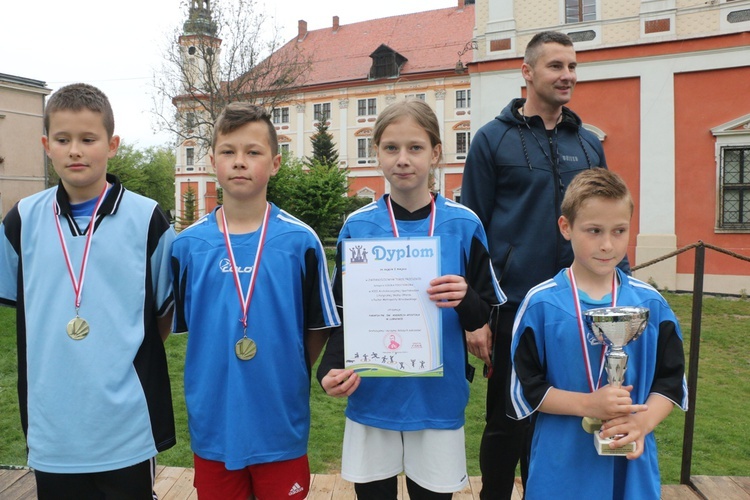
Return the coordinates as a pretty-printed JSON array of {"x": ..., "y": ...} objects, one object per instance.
[
  {"x": 594, "y": 183},
  {"x": 237, "y": 114},
  {"x": 79, "y": 96}
]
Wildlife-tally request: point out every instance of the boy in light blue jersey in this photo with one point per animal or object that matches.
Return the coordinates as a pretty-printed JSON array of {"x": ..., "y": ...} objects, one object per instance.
[{"x": 86, "y": 264}]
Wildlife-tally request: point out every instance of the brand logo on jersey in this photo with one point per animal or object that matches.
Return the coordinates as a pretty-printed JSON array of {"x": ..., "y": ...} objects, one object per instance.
[
  {"x": 382, "y": 253},
  {"x": 296, "y": 489},
  {"x": 226, "y": 267},
  {"x": 570, "y": 158}
]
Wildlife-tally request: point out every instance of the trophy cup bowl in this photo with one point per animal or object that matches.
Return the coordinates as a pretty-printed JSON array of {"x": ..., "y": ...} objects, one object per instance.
[{"x": 615, "y": 327}]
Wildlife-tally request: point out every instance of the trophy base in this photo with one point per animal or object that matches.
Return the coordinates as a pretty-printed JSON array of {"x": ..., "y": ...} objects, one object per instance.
[
  {"x": 602, "y": 447},
  {"x": 591, "y": 424}
]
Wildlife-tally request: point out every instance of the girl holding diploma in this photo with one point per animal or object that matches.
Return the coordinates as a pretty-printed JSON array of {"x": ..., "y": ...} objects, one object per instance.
[{"x": 414, "y": 424}]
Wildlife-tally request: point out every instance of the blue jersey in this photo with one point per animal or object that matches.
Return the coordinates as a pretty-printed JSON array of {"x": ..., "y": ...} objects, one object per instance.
[
  {"x": 256, "y": 411},
  {"x": 103, "y": 402},
  {"x": 546, "y": 352},
  {"x": 408, "y": 404}
]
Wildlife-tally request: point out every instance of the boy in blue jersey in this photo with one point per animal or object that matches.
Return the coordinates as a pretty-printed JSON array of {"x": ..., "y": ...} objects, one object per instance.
[
  {"x": 557, "y": 365},
  {"x": 86, "y": 264},
  {"x": 252, "y": 289},
  {"x": 414, "y": 424}
]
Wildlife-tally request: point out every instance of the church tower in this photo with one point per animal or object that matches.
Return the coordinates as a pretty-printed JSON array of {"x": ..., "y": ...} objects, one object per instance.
[{"x": 195, "y": 182}]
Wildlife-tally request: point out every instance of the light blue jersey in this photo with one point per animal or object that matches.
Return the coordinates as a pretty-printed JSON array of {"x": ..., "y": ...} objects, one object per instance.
[{"x": 103, "y": 402}]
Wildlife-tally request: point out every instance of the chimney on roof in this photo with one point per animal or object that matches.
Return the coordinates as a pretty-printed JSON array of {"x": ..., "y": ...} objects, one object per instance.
[
  {"x": 335, "y": 23},
  {"x": 301, "y": 30},
  {"x": 460, "y": 4}
]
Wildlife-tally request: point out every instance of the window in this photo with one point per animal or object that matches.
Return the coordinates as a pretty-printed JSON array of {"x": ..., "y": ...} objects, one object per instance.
[
  {"x": 190, "y": 120},
  {"x": 577, "y": 11},
  {"x": 735, "y": 187},
  {"x": 421, "y": 96},
  {"x": 463, "y": 99},
  {"x": 364, "y": 148},
  {"x": 280, "y": 115},
  {"x": 322, "y": 112},
  {"x": 367, "y": 107},
  {"x": 284, "y": 149},
  {"x": 190, "y": 156},
  {"x": 463, "y": 140}
]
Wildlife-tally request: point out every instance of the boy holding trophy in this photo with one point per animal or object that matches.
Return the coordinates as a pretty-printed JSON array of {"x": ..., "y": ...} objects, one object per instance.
[{"x": 559, "y": 359}]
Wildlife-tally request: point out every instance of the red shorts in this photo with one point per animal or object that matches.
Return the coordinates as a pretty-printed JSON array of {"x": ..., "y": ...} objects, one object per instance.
[{"x": 286, "y": 479}]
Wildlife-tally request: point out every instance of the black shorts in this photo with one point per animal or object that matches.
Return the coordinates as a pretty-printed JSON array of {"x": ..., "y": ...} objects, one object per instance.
[{"x": 131, "y": 483}]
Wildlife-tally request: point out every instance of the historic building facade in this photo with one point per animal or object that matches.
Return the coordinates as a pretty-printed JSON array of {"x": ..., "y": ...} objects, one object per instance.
[
  {"x": 665, "y": 85},
  {"x": 356, "y": 70}
]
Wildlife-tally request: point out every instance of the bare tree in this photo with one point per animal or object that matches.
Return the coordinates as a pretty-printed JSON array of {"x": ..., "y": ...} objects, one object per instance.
[{"x": 224, "y": 53}]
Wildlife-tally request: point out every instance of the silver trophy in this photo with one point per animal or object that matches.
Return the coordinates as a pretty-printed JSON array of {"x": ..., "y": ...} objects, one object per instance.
[{"x": 615, "y": 327}]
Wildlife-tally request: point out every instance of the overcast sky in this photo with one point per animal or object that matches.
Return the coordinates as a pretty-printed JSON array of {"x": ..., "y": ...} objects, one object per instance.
[{"x": 117, "y": 45}]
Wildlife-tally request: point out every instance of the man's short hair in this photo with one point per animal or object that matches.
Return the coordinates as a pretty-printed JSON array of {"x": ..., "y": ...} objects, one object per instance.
[
  {"x": 533, "y": 49},
  {"x": 237, "y": 114},
  {"x": 77, "y": 97}
]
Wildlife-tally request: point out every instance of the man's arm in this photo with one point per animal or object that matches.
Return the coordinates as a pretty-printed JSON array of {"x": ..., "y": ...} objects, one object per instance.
[{"x": 478, "y": 186}]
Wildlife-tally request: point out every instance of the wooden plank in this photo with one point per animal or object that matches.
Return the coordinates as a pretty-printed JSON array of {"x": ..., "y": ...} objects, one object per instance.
[
  {"x": 718, "y": 488},
  {"x": 518, "y": 490},
  {"x": 182, "y": 488},
  {"x": 322, "y": 487},
  {"x": 476, "y": 486},
  {"x": 10, "y": 476},
  {"x": 344, "y": 489},
  {"x": 176, "y": 483},
  {"x": 23, "y": 488},
  {"x": 743, "y": 482},
  {"x": 166, "y": 477},
  {"x": 678, "y": 492},
  {"x": 465, "y": 493}
]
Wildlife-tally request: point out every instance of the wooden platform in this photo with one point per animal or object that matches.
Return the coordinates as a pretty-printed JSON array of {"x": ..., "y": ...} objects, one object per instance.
[{"x": 174, "y": 483}]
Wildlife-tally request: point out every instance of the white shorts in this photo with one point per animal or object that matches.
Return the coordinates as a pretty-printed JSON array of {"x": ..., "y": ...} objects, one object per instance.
[{"x": 435, "y": 459}]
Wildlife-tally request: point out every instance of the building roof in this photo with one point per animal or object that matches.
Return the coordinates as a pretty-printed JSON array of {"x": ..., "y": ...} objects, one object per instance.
[
  {"x": 20, "y": 80},
  {"x": 430, "y": 41}
]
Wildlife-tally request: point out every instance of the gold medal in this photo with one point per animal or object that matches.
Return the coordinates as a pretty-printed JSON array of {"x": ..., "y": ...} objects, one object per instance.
[
  {"x": 78, "y": 328},
  {"x": 591, "y": 424},
  {"x": 245, "y": 349}
]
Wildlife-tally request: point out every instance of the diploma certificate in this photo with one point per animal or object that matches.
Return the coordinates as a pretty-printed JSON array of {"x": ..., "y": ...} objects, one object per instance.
[{"x": 391, "y": 327}]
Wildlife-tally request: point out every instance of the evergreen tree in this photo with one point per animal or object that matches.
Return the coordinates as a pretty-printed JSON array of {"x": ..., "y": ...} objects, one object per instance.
[
  {"x": 324, "y": 150},
  {"x": 315, "y": 193},
  {"x": 188, "y": 210}
]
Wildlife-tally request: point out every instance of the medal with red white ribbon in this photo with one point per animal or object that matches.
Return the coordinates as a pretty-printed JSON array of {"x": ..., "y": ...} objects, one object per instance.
[
  {"x": 78, "y": 328},
  {"x": 245, "y": 348}
]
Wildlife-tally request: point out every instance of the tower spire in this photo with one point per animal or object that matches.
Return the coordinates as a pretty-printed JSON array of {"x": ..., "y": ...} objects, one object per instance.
[{"x": 199, "y": 20}]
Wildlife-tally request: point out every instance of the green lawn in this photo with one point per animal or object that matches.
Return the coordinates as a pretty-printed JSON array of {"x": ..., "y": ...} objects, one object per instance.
[{"x": 722, "y": 421}]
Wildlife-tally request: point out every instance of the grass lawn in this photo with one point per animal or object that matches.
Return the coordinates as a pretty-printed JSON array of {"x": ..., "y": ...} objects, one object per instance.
[{"x": 722, "y": 421}]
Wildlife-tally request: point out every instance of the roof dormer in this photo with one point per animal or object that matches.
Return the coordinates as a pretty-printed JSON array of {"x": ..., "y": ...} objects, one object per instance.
[{"x": 386, "y": 63}]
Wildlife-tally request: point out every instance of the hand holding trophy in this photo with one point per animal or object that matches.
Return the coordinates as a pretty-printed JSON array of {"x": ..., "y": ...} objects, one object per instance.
[{"x": 615, "y": 327}]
